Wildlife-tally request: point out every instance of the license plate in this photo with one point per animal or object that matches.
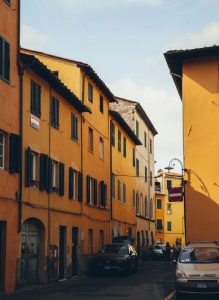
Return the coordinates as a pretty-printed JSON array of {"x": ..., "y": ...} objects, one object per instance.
[
  {"x": 201, "y": 285},
  {"x": 107, "y": 267}
]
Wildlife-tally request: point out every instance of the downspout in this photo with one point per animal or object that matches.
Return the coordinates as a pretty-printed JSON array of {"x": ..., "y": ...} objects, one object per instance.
[
  {"x": 20, "y": 73},
  {"x": 49, "y": 217},
  {"x": 111, "y": 173}
]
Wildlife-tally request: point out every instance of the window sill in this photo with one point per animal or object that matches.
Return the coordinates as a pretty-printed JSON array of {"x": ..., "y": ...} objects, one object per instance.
[
  {"x": 55, "y": 126},
  {"x": 6, "y": 2},
  {"x": 35, "y": 114},
  {"x": 4, "y": 79},
  {"x": 91, "y": 151},
  {"x": 74, "y": 140}
]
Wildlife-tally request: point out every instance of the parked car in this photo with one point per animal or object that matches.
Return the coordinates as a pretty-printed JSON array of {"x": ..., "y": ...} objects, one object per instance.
[
  {"x": 119, "y": 257},
  {"x": 197, "y": 270},
  {"x": 158, "y": 252}
]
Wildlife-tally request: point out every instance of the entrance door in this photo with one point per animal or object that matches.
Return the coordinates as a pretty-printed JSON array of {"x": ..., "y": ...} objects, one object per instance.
[
  {"x": 74, "y": 251},
  {"x": 62, "y": 251},
  {"x": 2, "y": 253},
  {"x": 29, "y": 265}
]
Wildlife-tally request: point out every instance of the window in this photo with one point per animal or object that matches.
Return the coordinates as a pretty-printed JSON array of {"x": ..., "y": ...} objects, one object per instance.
[
  {"x": 145, "y": 206},
  {"x": 113, "y": 186},
  {"x": 137, "y": 129},
  {"x": 90, "y": 241},
  {"x": 113, "y": 134},
  {"x": 159, "y": 204},
  {"x": 150, "y": 146},
  {"x": 145, "y": 139},
  {"x": 124, "y": 146},
  {"x": 119, "y": 140},
  {"x": 74, "y": 127},
  {"x": 159, "y": 224},
  {"x": 151, "y": 178},
  {"x": 103, "y": 194},
  {"x": 35, "y": 169},
  {"x": 73, "y": 184},
  {"x": 101, "y": 104},
  {"x": 101, "y": 148},
  {"x": 90, "y": 92},
  {"x": 145, "y": 174},
  {"x": 8, "y": 1},
  {"x": 101, "y": 239},
  {"x": 169, "y": 184},
  {"x": 2, "y": 150},
  {"x": 151, "y": 209},
  {"x": 137, "y": 167},
  {"x": 124, "y": 193},
  {"x": 169, "y": 208},
  {"x": 55, "y": 176},
  {"x": 35, "y": 99},
  {"x": 133, "y": 198},
  {"x": 119, "y": 190},
  {"x": 54, "y": 112},
  {"x": 133, "y": 157},
  {"x": 169, "y": 226},
  {"x": 90, "y": 139},
  {"x": 137, "y": 204},
  {"x": 91, "y": 190},
  {"x": 4, "y": 60}
]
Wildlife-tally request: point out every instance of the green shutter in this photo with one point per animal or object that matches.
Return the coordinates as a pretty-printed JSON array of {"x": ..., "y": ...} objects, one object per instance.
[
  {"x": 43, "y": 172},
  {"x": 95, "y": 191},
  {"x": 14, "y": 153},
  {"x": 80, "y": 187},
  {"x": 1, "y": 56},
  {"x": 71, "y": 183},
  {"x": 7, "y": 61},
  {"x": 28, "y": 167},
  {"x": 49, "y": 175},
  {"x": 88, "y": 189},
  {"x": 105, "y": 195},
  {"x": 61, "y": 179},
  {"x": 102, "y": 194}
]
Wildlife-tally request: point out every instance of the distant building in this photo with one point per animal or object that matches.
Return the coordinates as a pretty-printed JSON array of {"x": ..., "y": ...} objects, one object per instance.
[
  {"x": 195, "y": 74},
  {"x": 143, "y": 158},
  {"x": 9, "y": 142},
  {"x": 169, "y": 215}
]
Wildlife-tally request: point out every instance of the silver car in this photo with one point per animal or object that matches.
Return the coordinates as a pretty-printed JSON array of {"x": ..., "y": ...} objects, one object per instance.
[{"x": 197, "y": 269}]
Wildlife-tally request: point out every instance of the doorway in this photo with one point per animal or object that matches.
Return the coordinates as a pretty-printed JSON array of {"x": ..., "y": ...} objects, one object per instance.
[
  {"x": 2, "y": 253},
  {"x": 62, "y": 251},
  {"x": 74, "y": 251}
]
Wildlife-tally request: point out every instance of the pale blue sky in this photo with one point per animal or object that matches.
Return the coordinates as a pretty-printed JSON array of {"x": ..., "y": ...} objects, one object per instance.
[{"x": 124, "y": 41}]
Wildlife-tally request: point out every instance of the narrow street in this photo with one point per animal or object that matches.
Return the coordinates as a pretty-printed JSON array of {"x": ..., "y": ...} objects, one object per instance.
[{"x": 153, "y": 280}]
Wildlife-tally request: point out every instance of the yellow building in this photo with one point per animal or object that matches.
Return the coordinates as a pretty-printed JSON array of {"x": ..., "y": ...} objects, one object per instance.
[
  {"x": 133, "y": 113},
  {"x": 52, "y": 189},
  {"x": 123, "y": 143},
  {"x": 195, "y": 74},
  {"x": 94, "y": 131},
  {"x": 169, "y": 215}
]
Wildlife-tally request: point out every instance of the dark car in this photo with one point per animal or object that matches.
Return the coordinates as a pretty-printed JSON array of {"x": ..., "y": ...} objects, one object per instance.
[
  {"x": 124, "y": 239},
  {"x": 119, "y": 257}
]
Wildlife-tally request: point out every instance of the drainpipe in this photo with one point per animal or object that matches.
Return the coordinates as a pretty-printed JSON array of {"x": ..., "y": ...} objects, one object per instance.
[{"x": 111, "y": 173}]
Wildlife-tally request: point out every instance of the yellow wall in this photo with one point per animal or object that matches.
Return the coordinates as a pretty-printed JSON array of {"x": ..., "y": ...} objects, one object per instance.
[
  {"x": 200, "y": 107},
  {"x": 123, "y": 213}
]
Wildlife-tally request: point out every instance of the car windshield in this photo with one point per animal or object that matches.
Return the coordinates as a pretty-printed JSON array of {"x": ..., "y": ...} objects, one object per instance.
[
  {"x": 200, "y": 255},
  {"x": 119, "y": 249}
]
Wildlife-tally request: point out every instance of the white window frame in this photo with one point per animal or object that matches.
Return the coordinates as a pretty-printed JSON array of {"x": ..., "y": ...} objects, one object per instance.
[
  {"x": 35, "y": 174},
  {"x": 3, "y": 151},
  {"x": 90, "y": 139},
  {"x": 75, "y": 185},
  {"x": 101, "y": 148},
  {"x": 55, "y": 174}
]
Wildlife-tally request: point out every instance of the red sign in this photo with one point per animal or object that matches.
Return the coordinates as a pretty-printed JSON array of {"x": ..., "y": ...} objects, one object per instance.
[{"x": 175, "y": 194}]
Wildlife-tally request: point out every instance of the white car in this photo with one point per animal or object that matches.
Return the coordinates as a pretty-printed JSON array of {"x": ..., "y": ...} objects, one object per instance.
[{"x": 197, "y": 270}]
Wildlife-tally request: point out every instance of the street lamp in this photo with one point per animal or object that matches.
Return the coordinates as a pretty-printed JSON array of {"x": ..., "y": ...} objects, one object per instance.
[{"x": 183, "y": 170}]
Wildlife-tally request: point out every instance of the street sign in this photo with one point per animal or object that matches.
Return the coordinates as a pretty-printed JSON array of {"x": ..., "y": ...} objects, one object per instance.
[{"x": 175, "y": 194}]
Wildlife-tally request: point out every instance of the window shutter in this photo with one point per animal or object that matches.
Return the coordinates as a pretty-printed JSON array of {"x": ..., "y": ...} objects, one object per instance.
[
  {"x": 61, "y": 179},
  {"x": 14, "y": 153},
  {"x": 80, "y": 187},
  {"x": 1, "y": 56},
  {"x": 76, "y": 128},
  {"x": 31, "y": 96},
  {"x": 95, "y": 191},
  {"x": 88, "y": 189},
  {"x": 43, "y": 171},
  {"x": 38, "y": 87},
  {"x": 49, "y": 175},
  {"x": 102, "y": 194},
  {"x": 71, "y": 183},
  {"x": 105, "y": 195},
  {"x": 28, "y": 167},
  {"x": 7, "y": 61}
]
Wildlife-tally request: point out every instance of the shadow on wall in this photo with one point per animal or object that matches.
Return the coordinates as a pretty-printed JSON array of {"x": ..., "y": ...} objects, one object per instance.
[{"x": 202, "y": 212}]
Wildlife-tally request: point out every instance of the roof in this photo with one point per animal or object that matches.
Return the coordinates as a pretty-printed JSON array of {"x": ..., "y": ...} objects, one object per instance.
[
  {"x": 125, "y": 126},
  {"x": 142, "y": 113},
  {"x": 176, "y": 58},
  {"x": 40, "y": 69},
  {"x": 89, "y": 71},
  {"x": 168, "y": 174}
]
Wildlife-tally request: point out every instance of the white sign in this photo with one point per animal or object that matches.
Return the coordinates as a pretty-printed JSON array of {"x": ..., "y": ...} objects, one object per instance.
[{"x": 35, "y": 122}]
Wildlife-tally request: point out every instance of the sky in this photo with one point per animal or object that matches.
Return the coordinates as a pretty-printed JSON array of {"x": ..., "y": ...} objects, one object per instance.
[{"x": 124, "y": 41}]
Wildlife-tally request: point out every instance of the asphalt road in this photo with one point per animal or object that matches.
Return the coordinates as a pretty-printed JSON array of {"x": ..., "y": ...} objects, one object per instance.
[{"x": 152, "y": 281}]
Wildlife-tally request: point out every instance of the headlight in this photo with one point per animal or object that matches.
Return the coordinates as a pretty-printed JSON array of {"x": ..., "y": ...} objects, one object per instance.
[{"x": 180, "y": 274}]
